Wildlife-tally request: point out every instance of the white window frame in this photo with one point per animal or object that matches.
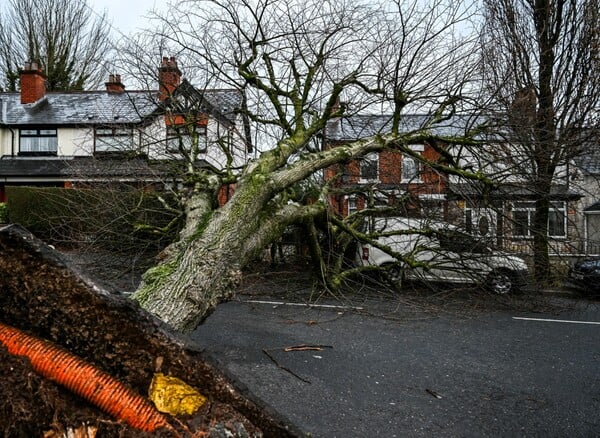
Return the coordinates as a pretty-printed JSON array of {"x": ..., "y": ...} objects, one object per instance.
[
  {"x": 529, "y": 207},
  {"x": 414, "y": 176},
  {"x": 352, "y": 204},
  {"x": 562, "y": 208},
  {"x": 181, "y": 136},
  {"x": 417, "y": 168}
]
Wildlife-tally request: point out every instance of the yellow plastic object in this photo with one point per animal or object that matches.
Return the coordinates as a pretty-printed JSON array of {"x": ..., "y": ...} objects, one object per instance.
[{"x": 174, "y": 396}]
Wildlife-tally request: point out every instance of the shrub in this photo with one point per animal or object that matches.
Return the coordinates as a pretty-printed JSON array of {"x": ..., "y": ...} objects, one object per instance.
[
  {"x": 3, "y": 213},
  {"x": 119, "y": 219}
]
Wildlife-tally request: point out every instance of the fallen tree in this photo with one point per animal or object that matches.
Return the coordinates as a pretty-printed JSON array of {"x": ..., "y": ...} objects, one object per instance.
[
  {"x": 295, "y": 62},
  {"x": 41, "y": 295}
]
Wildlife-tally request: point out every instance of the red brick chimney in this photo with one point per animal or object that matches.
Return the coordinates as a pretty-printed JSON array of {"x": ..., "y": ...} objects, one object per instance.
[
  {"x": 33, "y": 82},
  {"x": 169, "y": 77},
  {"x": 114, "y": 84}
]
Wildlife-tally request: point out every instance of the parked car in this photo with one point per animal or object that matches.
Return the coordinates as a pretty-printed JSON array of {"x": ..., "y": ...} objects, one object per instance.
[
  {"x": 443, "y": 252},
  {"x": 585, "y": 275}
]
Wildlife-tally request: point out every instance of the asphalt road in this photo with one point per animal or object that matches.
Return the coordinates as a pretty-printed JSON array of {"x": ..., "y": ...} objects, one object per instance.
[{"x": 488, "y": 374}]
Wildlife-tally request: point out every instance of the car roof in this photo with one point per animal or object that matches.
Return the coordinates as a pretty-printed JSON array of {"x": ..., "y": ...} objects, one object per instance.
[{"x": 393, "y": 223}]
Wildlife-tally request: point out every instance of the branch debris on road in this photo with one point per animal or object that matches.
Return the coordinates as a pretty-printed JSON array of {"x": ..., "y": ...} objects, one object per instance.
[
  {"x": 433, "y": 393},
  {"x": 307, "y": 348},
  {"x": 294, "y": 348}
]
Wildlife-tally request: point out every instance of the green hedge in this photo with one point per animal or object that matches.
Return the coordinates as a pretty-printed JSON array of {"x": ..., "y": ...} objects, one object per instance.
[
  {"x": 116, "y": 219},
  {"x": 3, "y": 213}
]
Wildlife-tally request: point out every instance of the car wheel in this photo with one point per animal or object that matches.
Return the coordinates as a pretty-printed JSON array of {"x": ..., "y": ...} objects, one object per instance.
[
  {"x": 501, "y": 282},
  {"x": 393, "y": 273}
]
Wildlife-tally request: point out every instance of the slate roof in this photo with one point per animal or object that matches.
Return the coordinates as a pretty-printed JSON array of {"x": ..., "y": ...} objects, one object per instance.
[
  {"x": 86, "y": 167},
  {"x": 476, "y": 190},
  {"x": 33, "y": 167},
  {"x": 589, "y": 160},
  {"x": 77, "y": 108},
  {"x": 219, "y": 103},
  {"x": 366, "y": 125}
]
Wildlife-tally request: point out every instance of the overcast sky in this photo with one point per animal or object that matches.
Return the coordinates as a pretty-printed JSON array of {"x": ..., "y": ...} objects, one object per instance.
[{"x": 126, "y": 15}]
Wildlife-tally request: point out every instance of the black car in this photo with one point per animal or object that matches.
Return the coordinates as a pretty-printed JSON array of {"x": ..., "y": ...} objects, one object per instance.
[{"x": 585, "y": 275}]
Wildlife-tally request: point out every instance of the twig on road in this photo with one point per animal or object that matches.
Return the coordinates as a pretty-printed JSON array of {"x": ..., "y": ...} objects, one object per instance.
[
  {"x": 284, "y": 368},
  {"x": 306, "y": 348}
]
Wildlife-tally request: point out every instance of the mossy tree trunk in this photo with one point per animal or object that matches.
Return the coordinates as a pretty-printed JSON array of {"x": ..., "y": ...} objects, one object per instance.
[{"x": 206, "y": 267}]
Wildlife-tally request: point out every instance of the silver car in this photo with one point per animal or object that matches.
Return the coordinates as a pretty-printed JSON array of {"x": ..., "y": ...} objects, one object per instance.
[{"x": 419, "y": 249}]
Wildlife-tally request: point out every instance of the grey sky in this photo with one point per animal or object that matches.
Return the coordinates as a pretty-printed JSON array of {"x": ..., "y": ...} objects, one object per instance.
[{"x": 126, "y": 16}]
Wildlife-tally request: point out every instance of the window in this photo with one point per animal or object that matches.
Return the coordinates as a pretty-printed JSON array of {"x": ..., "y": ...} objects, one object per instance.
[
  {"x": 356, "y": 203},
  {"x": 38, "y": 142},
  {"x": 523, "y": 213},
  {"x": 182, "y": 137},
  {"x": 411, "y": 170},
  {"x": 522, "y": 218},
  {"x": 113, "y": 139},
  {"x": 557, "y": 220},
  {"x": 411, "y": 167},
  {"x": 352, "y": 205},
  {"x": 455, "y": 241},
  {"x": 481, "y": 221},
  {"x": 369, "y": 167}
]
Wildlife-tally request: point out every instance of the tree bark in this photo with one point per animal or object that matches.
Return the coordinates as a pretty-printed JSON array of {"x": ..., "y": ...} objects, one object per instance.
[
  {"x": 546, "y": 149},
  {"x": 541, "y": 258},
  {"x": 205, "y": 267},
  {"x": 204, "y": 271}
]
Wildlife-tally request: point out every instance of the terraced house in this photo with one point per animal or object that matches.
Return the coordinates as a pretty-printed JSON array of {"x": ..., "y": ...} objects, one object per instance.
[
  {"x": 65, "y": 139},
  {"x": 501, "y": 213}
]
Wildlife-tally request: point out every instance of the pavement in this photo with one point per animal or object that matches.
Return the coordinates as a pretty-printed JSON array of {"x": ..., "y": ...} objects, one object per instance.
[{"x": 385, "y": 365}]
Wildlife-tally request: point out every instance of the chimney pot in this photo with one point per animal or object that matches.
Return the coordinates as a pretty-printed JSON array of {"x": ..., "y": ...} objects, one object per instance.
[{"x": 114, "y": 84}]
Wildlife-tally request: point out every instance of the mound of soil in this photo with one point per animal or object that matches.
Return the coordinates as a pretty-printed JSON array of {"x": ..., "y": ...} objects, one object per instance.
[{"x": 43, "y": 295}]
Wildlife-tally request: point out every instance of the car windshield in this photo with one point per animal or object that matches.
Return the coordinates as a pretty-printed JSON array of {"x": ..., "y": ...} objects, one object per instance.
[{"x": 456, "y": 241}]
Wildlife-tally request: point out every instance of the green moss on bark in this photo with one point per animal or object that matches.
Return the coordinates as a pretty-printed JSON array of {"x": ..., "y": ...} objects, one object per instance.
[{"x": 153, "y": 279}]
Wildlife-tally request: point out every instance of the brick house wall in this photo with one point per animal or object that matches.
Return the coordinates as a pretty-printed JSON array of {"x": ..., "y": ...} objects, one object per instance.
[{"x": 349, "y": 183}]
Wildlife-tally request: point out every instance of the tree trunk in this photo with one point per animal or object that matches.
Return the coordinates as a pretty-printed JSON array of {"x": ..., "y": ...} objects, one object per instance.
[
  {"x": 546, "y": 149},
  {"x": 182, "y": 292},
  {"x": 205, "y": 267},
  {"x": 541, "y": 259}
]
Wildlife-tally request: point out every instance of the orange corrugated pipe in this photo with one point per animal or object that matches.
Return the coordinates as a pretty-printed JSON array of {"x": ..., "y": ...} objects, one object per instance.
[{"x": 84, "y": 379}]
